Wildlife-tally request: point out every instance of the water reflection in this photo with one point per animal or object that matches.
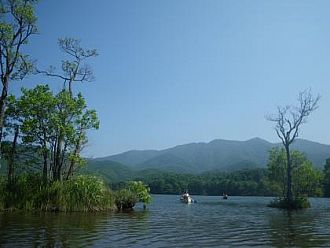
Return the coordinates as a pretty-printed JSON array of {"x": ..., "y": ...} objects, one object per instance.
[
  {"x": 296, "y": 229},
  {"x": 132, "y": 222},
  {"x": 49, "y": 229}
]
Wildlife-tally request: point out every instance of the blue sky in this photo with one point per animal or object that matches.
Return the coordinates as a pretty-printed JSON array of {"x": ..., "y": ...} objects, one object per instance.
[{"x": 178, "y": 71}]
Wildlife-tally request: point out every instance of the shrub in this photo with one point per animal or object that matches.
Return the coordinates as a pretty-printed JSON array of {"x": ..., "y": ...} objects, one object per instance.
[
  {"x": 141, "y": 191},
  {"x": 125, "y": 199},
  {"x": 135, "y": 191}
]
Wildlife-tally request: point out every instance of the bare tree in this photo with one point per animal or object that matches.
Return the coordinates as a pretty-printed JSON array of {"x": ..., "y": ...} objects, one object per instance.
[
  {"x": 74, "y": 70},
  {"x": 17, "y": 24},
  {"x": 288, "y": 121}
]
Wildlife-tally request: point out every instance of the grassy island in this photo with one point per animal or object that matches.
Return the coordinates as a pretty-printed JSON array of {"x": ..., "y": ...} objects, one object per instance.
[{"x": 82, "y": 193}]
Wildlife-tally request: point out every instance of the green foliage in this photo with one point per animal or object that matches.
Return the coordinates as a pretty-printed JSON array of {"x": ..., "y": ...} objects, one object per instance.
[
  {"x": 82, "y": 193},
  {"x": 18, "y": 23},
  {"x": 306, "y": 181},
  {"x": 141, "y": 191},
  {"x": 125, "y": 199},
  {"x": 56, "y": 124},
  {"x": 2, "y": 192},
  {"x": 135, "y": 191},
  {"x": 243, "y": 182},
  {"x": 277, "y": 171},
  {"x": 327, "y": 178}
]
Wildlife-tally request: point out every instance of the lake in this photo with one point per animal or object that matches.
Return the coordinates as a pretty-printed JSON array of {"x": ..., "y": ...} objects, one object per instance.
[{"x": 211, "y": 222}]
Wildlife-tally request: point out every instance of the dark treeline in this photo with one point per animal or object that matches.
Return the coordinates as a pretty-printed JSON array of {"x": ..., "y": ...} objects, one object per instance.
[
  {"x": 248, "y": 182},
  {"x": 243, "y": 182}
]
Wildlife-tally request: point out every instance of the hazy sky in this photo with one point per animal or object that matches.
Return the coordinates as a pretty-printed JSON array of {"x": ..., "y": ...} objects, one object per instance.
[{"x": 177, "y": 71}]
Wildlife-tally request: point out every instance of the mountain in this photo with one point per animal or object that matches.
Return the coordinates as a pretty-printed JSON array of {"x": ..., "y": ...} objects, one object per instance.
[
  {"x": 133, "y": 157},
  {"x": 223, "y": 155},
  {"x": 111, "y": 171}
]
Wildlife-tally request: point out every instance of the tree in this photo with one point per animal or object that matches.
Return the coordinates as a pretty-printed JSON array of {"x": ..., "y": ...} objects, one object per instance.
[
  {"x": 327, "y": 178},
  {"x": 73, "y": 70},
  {"x": 45, "y": 119},
  {"x": 287, "y": 125},
  {"x": 36, "y": 108},
  {"x": 17, "y": 24},
  {"x": 277, "y": 167},
  {"x": 12, "y": 129},
  {"x": 305, "y": 179}
]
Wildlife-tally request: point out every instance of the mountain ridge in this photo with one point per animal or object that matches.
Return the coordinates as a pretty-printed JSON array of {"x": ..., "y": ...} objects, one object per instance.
[{"x": 218, "y": 154}]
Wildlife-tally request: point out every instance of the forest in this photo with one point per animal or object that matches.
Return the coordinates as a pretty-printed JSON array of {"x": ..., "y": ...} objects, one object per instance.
[{"x": 268, "y": 181}]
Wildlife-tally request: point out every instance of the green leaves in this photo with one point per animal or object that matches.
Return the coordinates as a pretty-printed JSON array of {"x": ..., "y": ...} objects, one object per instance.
[
  {"x": 6, "y": 32},
  {"x": 51, "y": 122},
  {"x": 326, "y": 172},
  {"x": 18, "y": 23},
  {"x": 305, "y": 179},
  {"x": 25, "y": 13},
  {"x": 141, "y": 191},
  {"x": 135, "y": 191}
]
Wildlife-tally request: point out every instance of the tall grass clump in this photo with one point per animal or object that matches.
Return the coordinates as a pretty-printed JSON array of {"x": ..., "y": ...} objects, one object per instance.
[
  {"x": 85, "y": 193},
  {"x": 2, "y": 192},
  {"x": 22, "y": 192},
  {"x": 81, "y": 193}
]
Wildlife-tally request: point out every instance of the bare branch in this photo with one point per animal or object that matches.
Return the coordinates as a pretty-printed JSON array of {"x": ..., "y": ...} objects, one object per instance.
[
  {"x": 289, "y": 119},
  {"x": 73, "y": 70},
  {"x": 47, "y": 73}
]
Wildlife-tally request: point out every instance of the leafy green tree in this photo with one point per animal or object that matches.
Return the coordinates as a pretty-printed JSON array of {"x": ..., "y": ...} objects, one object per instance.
[
  {"x": 74, "y": 70},
  {"x": 306, "y": 181},
  {"x": 17, "y": 25},
  {"x": 12, "y": 128},
  {"x": 287, "y": 125},
  {"x": 36, "y": 107},
  {"x": 326, "y": 172},
  {"x": 71, "y": 121},
  {"x": 54, "y": 124}
]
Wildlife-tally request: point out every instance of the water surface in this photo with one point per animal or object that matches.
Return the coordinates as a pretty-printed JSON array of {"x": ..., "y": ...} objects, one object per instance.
[{"x": 211, "y": 222}]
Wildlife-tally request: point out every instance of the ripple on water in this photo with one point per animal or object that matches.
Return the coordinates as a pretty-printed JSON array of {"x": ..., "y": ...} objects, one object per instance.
[{"x": 212, "y": 222}]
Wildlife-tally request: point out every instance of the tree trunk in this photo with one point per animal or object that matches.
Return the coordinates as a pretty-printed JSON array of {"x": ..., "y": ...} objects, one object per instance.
[
  {"x": 70, "y": 88},
  {"x": 11, "y": 160},
  {"x": 45, "y": 155},
  {"x": 73, "y": 161},
  {"x": 58, "y": 159},
  {"x": 4, "y": 93},
  {"x": 289, "y": 174},
  {"x": 45, "y": 169}
]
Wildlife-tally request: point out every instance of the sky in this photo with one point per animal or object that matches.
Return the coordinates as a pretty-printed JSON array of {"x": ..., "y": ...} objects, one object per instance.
[{"x": 171, "y": 72}]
